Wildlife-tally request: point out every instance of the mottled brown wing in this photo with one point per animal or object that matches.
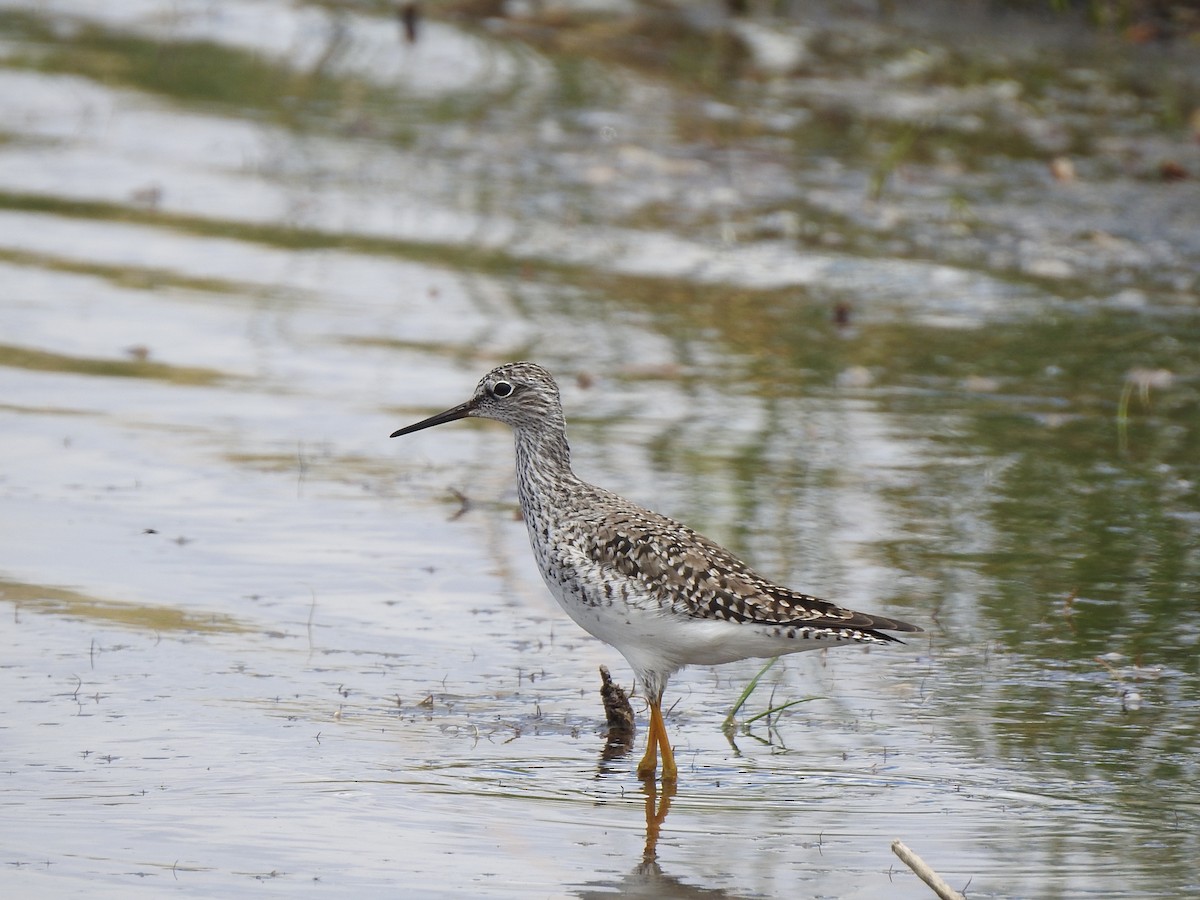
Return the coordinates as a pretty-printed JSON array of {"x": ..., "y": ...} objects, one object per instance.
[{"x": 699, "y": 576}]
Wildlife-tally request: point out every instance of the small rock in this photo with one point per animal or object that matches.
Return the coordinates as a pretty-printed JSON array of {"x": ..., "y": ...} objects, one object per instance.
[
  {"x": 1049, "y": 268},
  {"x": 1062, "y": 169},
  {"x": 855, "y": 377}
]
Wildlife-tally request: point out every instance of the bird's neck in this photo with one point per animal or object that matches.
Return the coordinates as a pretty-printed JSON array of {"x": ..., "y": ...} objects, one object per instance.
[{"x": 543, "y": 463}]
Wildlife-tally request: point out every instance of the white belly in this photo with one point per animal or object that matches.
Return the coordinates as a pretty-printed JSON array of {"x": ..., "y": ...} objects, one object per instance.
[{"x": 661, "y": 639}]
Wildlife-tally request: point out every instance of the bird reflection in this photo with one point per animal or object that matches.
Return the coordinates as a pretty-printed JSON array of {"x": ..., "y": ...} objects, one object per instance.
[
  {"x": 658, "y": 804},
  {"x": 647, "y": 878}
]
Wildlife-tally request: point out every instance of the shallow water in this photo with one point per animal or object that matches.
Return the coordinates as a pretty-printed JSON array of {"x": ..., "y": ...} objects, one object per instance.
[{"x": 871, "y": 343}]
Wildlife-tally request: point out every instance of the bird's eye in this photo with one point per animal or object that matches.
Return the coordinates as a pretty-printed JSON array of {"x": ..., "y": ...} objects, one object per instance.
[{"x": 501, "y": 389}]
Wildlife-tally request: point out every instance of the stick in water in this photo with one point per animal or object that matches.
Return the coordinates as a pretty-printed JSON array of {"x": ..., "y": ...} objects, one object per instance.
[{"x": 926, "y": 874}]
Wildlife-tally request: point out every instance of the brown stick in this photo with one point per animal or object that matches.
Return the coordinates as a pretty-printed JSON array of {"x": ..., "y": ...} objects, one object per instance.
[{"x": 926, "y": 874}]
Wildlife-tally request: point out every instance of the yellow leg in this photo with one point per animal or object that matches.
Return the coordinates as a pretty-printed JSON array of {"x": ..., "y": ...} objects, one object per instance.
[
  {"x": 649, "y": 764},
  {"x": 657, "y": 742},
  {"x": 670, "y": 772}
]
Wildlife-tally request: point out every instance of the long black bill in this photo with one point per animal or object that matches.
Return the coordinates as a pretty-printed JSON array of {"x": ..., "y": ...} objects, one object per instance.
[{"x": 451, "y": 415}]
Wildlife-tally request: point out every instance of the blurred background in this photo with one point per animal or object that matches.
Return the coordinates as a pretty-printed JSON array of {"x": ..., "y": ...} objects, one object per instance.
[{"x": 900, "y": 301}]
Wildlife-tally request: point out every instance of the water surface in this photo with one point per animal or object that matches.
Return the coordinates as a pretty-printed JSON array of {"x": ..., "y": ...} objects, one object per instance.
[{"x": 902, "y": 310}]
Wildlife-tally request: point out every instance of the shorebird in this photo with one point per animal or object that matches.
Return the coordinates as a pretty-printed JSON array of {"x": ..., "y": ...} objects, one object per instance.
[{"x": 661, "y": 594}]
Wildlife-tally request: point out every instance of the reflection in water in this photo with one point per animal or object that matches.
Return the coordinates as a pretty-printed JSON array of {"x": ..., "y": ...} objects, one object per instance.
[
  {"x": 647, "y": 878},
  {"x": 658, "y": 804}
]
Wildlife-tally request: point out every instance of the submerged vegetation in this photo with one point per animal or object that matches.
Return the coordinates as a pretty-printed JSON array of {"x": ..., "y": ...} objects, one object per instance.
[
  {"x": 19, "y": 357},
  {"x": 60, "y": 601}
]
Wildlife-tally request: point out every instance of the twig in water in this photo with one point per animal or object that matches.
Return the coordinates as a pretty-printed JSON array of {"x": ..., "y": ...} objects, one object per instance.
[
  {"x": 896, "y": 154},
  {"x": 464, "y": 504},
  {"x": 1069, "y": 608},
  {"x": 301, "y": 468},
  {"x": 617, "y": 712},
  {"x": 312, "y": 608},
  {"x": 926, "y": 874}
]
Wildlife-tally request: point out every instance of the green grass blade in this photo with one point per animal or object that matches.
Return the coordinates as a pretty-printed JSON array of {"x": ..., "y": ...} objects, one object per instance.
[
  {"x": 741, "y": 701},
  {"x": 780, "y": 708}
]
